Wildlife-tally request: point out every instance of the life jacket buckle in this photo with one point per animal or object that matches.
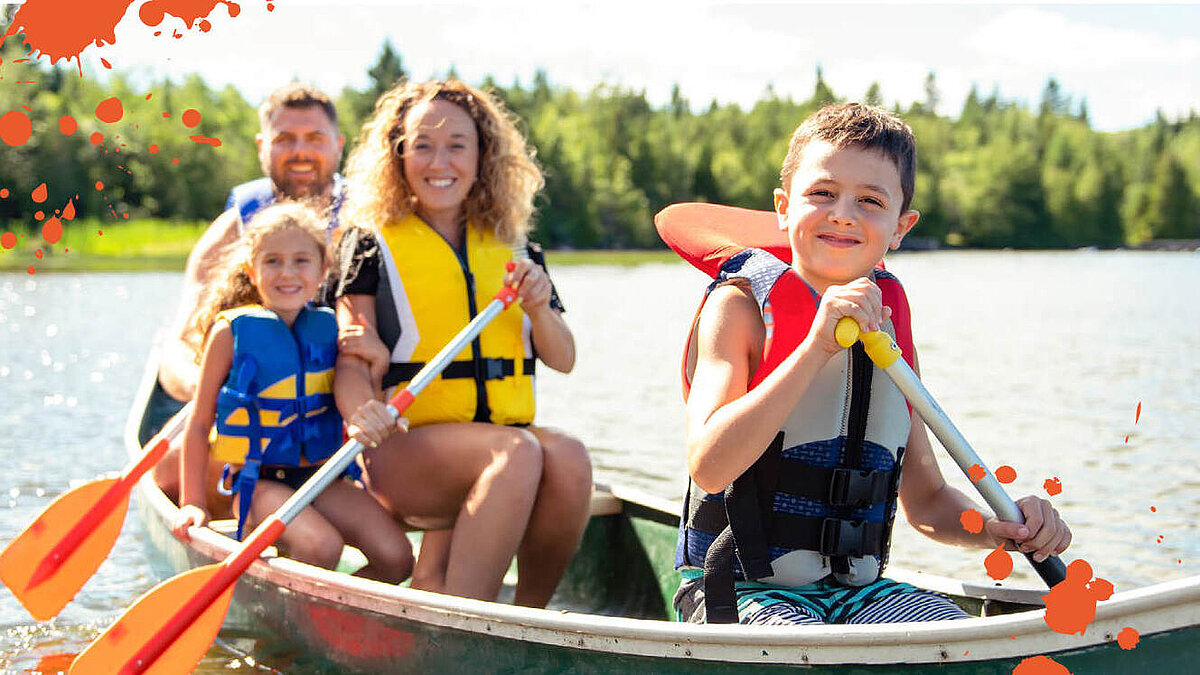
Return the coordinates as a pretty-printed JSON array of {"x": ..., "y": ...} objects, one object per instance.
[
  {"x": 842, "y": 537},
  {"x": 857, "y": 489},
  {"x": 493, "y": 369}
]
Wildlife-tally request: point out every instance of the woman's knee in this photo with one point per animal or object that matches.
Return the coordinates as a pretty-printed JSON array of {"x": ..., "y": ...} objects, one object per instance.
[
  {"x": 568, "y": 465},
  {"x": 322, "y": 550},
  {"x": 520, "y": 451}
]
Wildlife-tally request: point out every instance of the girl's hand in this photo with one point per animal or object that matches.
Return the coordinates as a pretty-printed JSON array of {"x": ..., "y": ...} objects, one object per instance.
[
  {"x": 360, "y": 339},
  {"x": 1044, "y": 533},
  {"x": 860, "y": 300},
  {"x": 189, "y": 515},
  {"x": 532, "y": 285},
  {"x": 371, "y": 424}
]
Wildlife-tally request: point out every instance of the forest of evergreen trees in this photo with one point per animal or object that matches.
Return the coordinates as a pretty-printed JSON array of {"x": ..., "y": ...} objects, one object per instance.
[{"x": 998, "y": 174}]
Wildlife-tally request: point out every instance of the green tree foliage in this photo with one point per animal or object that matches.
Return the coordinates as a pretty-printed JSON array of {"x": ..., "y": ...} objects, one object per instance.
[{"x": 997, "y": 175}]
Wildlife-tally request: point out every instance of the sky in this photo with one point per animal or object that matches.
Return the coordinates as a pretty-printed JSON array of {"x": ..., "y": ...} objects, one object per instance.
[{"x": 1126, "y": 60}]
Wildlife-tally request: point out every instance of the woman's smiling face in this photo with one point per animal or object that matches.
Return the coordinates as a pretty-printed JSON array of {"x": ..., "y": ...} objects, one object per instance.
[{"x": 441, "y": 159}]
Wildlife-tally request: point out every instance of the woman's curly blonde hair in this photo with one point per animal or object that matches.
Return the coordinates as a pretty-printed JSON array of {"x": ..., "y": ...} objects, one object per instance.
[
  {"x": 231, "y": 285},
  {"x": 508, "y": 177}
]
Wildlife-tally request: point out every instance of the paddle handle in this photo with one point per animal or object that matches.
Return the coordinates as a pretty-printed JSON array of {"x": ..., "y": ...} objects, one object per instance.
[
  {"x": 273, "y": 527},
  {"x": 886, "y": 355}
]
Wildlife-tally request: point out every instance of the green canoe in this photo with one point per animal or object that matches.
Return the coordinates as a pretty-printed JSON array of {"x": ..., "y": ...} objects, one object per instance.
[{"x": 612, "y": 610}]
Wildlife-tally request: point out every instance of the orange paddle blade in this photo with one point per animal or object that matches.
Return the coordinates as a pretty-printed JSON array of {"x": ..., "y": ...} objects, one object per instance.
[
  {"x": 23, "y": 556},
  {"x": 113, "y": 651}
]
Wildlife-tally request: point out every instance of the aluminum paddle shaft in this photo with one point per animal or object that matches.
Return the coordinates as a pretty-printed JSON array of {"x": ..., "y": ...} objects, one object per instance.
[{"x": 886, "y": 355}]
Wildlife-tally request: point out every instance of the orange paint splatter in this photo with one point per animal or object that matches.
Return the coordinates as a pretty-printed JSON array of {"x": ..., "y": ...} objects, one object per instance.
[
  {"x": 100, "y": 232},
  {"x": 8, "y": 240},
  {"x": 998, "y": 563},
  {"x": 39, "y": 194},
  {"x": 69, "y": 211},
  {"x": 15, "y": 127},
  {"x": 1040, "y": 665},
  {"x": 153, "y": 148},
  {"x": 1052, "y": 486},
  {"x": 67, "y": 125},
  {"x": 205, "y": 26},
  {"x": 1071, "y": 604},
  {"x": 1160, "y": 539},
  {"x": 190, "y": 117},
  {"x": 38, "y": 254},
  {"x": 1152, "y": 509},
  {"x": 1128, "y": 638},
  {"x": 215, "y": 142},
  {"x": 174, "y": 160},
  {"x": 30, "y": 269},
  {"x": 971, "y": 521},
  {"x": 97, "y": 138},
  {"x": 166, "y": 115},
  {"x": 110, "y": 110},
  {"x": 52, "y": 230},
  {"x": 976, "y": 473},
  {"x": 106, "y": 63},
  {"x": 1138, "y": 415},
  {"x": 61, "y": 29},
  {"x": 152, "y": 13},
  {"x": 99, "y": 185},
  {"x": 38, "y": 215},
  {"x": 1006, "y": 474},
  {"x": 149, "y": 95},
  {"x": 270, "y": 7},
  {"x": 3, "y": 193}
]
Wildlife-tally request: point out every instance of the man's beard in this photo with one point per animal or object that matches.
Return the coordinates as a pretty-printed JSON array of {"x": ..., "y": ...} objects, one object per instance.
[{"x": 306, "y": 190}]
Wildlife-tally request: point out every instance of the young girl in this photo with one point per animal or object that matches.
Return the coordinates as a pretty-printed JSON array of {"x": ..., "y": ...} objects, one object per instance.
[{"x": 264, "y": 402}]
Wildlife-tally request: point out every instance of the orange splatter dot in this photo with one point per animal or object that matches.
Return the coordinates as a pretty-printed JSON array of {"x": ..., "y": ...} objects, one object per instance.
[
  {"x": 8, "y": 240},
  {"x": 97, "y": 138},
  {"x": 190, "y": 117},
  {"x": 1138, "y": 415},
  {"x": 205, "y": 26},
  {"x": 99, "y": 185},
  {"x": 38, "y": 254},
  {"x": 30, "y": 269},
  {"x": 153, "y": 148},
  {"x": 1052, "y": 486},
  {"x": 149, "y": 95},
  {"x": 110, "y": 110},
  {"x": 166, "y": 114},
  {"x": 125, "y": 215},
  {"x": 1006, "y": 474},
  {"x": 998, "y": 563},
  {"x": 1071, "y": 604},
  {"x": 39, "y": 193},
  {"x": 15, "y": 127},
  {"x": 1160, "y": 539},
  {"x": 1152, "y": 509},
  {"x": 215, "y": 142},
  {"x": 175, "y": 160},
  {"x": 67, "y": 125},
  {"x": 106, "y": 63},
  {"x": 1126, "y": 439},
  {"x": 3, "y": 193},
  {"x": 100, "y": 232},
  {"x": 971, "y": 521},
  {"x": 38, "y": 215},
  {"x": 52, "y": 230},
  {"x": 1128, "y": 638},
  {"x": 69, "y": 211},
  {"x": 1040, "y": 665},
  {"x": 270, "y": 7},
  {"x": 976, "y": 473}
]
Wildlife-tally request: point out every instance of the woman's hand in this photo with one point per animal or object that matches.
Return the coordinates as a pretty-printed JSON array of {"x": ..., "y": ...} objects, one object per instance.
[
  {"x": 532, "y": 285},
  {"x": 360, "y": 339},
  {"x": 860, "y": 300},
  {"x": 1044, "y": 533},
  {"x": 189, "y": 515},
  {"x": 371, "y": 424}
]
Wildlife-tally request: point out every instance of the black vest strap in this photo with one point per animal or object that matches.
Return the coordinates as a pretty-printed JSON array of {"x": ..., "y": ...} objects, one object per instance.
[{"x": 486, "y": 369}]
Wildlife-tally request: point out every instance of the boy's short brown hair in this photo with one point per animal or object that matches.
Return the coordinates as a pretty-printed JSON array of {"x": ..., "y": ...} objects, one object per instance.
[
  {"x": 296, "y": 95},
  {"x": 862, "y": 126}
]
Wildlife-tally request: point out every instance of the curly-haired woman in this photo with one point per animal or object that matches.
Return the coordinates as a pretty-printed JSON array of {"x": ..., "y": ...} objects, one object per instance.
[{"x": 441, "y": 194}]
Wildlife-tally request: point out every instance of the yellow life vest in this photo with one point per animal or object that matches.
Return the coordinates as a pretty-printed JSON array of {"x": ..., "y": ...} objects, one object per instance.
[{"x": 426, "y": 297}]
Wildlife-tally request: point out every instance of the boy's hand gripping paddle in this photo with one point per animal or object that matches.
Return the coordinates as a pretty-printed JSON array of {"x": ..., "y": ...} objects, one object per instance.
[
  {"x": 169, "y": 629},
  {"x": 47, "y": 564},
  {"x": 886, "y": 355}
]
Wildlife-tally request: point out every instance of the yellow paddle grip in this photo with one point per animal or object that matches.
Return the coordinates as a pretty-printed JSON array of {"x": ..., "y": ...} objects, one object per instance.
[{"x": 878, "y": 344}]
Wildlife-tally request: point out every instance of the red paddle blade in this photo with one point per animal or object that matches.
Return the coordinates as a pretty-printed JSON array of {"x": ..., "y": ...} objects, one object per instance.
[
  {"x": 115, "y": 649},
  {"x": 23, "y": 556}
]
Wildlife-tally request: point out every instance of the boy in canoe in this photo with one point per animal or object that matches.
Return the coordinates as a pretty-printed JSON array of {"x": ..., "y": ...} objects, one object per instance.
[{"x": 795, "y": 444}]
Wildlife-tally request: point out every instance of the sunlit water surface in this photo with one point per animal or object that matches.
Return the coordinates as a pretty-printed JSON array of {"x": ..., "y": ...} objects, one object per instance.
[{"x": 1040, "y": 358}]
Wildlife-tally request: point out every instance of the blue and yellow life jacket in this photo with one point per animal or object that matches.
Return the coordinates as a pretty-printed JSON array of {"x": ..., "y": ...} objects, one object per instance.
[
  {"x": 276, "y": 408},
  {"x": 427, "y": 293},
  {"x": 253, "y": 196},
  {"x": 821, "y": 498}
]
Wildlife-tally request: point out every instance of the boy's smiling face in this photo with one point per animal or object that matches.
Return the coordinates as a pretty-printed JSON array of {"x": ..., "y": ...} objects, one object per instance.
[{"x": 842, "y": 212}]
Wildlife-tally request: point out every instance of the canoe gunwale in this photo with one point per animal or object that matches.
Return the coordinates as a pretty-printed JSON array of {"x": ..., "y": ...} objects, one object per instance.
[{"x": 1152, "y": 609}]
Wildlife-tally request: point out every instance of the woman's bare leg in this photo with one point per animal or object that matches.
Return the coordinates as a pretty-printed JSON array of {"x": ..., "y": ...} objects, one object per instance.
[
  {"x": 367, "y": 526},
  {"x": 559, "y": 516},
  {"x": 484, "y": 475},
  {"x": 308, "y": 538},
  {"x": 430, "y": 573}
]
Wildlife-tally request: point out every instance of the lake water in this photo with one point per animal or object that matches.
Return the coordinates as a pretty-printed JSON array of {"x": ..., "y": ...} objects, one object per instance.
[{"x": 1041, "y": 359}]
